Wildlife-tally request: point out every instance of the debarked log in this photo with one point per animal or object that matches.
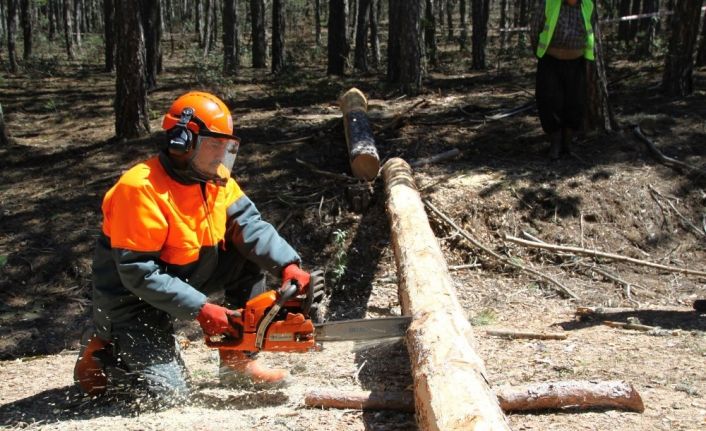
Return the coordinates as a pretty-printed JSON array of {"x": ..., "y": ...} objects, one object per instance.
[
  {"x": 440, "y": 340},
  {"x": 363, "y": 155},
  {"x": 566, "y": 395}
]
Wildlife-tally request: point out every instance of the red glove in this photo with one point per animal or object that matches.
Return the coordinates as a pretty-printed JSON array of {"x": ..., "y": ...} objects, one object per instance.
[
  {"x": 292, "y": 273},
  {"x": 214, "y": 320}
]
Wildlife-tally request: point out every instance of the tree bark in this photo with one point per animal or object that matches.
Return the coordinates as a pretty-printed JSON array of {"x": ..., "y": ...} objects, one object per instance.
[
  {"x": 68, "y": 30},
  {"x": 679, "y": 64},
  {"x": 574, "y": 395},
  {"x": 26, "y": 12},
  {"x": 231, "y": 51},
  {"x": 624, "y": 26},
  {"x": 375, "y": 32},
  {"x": 701, "y": 53},
  {"x": 152, "y": 25},
  {"x": 449, "y": 394},
  {"x": 430, "y": 32},
  {"x": 51, "y": 20},
  {"x": 77, "y": 22},
  {"x": 5, "y": 139},
  {"x": 449, "y": 20},
  {"x": 463, "y": 24},
  {"x": 278, "y": 40},
  {"x": 360, "y": 58},
  {"x": 11, "y": 29},
  {"x": 411, "y": 49},
  {"x": 648, "y": 28},
  {"x": 317, "y": 21},
  {"x": 363, "y": 155},
  {"x": 599, "y": 112},
  {"x": 131, "y": 120},
  {"x": 480, "y": 32},
  {"x": 109, "y": 34},
  {"x": 337, "y": 42},
  {"x": 503, "y": 24},
  {"x": 259, "y": 43},
  {"x": 207, "y": 25},
  {"x": 393, "y": 41}
]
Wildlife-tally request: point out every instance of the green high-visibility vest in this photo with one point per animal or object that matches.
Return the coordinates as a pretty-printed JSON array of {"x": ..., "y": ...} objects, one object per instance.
[{"x": 551, "y": 12}]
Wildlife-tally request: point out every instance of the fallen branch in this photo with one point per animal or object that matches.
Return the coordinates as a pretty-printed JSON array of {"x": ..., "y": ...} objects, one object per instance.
[
  {"x": 446, "y": 155},
  {"x": 685, "y": 220},
  {"x": 291, "y": 141},
  {"x": 397, "y": 120},
  {"x": 524, "y": 335},
  {"x": 596, "y": 253},
  {"x": 576, "y": 395},
  {"x": 328, "y": 174},
  {"x": 510, "y": 262},
  {"x": 600, "y": 311},
  {"x": 526, "y": 107},
  {"x": 629, "y": 325},
  {"x": 674, "y": 163}
]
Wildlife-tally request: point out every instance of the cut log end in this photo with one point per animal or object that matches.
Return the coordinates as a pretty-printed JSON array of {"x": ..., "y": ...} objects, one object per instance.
[
  {"x": 365, "y": 166},
  {"x": 353, "y": 100}
]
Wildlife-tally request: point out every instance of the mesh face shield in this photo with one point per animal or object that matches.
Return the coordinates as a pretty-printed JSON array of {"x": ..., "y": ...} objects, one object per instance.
[{"x": 213, "y": 157}]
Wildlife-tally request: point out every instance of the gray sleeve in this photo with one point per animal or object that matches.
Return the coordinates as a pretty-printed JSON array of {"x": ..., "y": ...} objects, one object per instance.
[
  {"x": 141, "y": 274},
  {"x": 258, "y": 240}
]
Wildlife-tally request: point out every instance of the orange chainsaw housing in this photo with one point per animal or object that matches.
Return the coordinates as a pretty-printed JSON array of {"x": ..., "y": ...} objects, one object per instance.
[{"x": 294, "y": 333}]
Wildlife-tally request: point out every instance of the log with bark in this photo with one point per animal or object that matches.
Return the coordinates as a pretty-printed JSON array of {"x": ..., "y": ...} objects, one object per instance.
[
  {"x": 574, "y": 395},
  {"x": 363, "y": 155},
  {"x": 506, "y": 333},
  {"x": 440, "y": 340}
]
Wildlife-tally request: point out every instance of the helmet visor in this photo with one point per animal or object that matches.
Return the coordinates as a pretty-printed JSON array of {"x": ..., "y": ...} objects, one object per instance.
[{"x": 213, "y": 157}]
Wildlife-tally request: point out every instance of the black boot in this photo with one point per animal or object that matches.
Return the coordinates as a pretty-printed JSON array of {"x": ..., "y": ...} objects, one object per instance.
[{"x": 556, "y": 145}]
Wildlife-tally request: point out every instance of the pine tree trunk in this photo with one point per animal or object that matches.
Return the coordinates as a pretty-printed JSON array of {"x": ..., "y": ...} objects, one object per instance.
[
  {"x": 337, "y": 42},
  {"x": 480, "y": 32},
  {"x": 449, "y": 20},
  {"x": 198, "y": 21},
  {"x": 77, "y": 23},
  {"x": 68, "y": 30},
  {"x": 393, "y": 41},
  {"x": 599, "y": 112},
  {"x": 411, "y": 46},
  {"x": 278, "y": 31},
  {"x": 430, "y": 32},
  {"x": 151, "y": 23},
  {"x": 634, "y": 24},
  {"x": 11, "y": 29},
  {"x": 317, "y": 21},
  {"x": 678, "y": 69},
  {"x": 26, "y": 11},
  {"x": 351, "y": 21},
  {"x": 230, "y": 37},
  {"x": 109, "y": 34},
  {"x": 5, "y": 140},
  {"x": 503, "y": 24},
  {"x": 207, "y": 25},
  {"x": 375, "y": 33},
  {"x": 701, "y": 53},
  {"x": 130, "y": 105},
  {"x": 259, "y": 43},
  {"x": 360, "y": 58},
  {"x": 624, "y": 26},
  {"x": 648, "y": 28},
  {"x": 463, "y": 38}
]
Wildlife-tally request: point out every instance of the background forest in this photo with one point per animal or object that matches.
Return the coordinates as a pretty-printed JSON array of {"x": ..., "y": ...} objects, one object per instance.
[{"x": 83, "y": 88}]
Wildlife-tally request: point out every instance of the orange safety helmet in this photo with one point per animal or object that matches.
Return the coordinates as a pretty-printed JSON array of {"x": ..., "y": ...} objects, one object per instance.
[{"x": 209, "y": 109}]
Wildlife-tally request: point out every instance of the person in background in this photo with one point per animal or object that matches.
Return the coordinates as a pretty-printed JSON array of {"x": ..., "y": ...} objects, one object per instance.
[
  {"x": 562, "y": 39},
  {"x": 176, "y": 228}
]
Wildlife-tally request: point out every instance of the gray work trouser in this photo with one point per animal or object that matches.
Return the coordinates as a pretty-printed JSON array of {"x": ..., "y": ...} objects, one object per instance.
[{"x": 146, "y": 357}]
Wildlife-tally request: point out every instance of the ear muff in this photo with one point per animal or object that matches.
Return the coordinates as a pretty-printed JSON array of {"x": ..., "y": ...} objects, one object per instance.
[{"x": 181, "y": 139}]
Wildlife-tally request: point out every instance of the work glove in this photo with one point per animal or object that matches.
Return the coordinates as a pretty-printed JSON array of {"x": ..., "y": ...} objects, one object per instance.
[
  {"x": 215, "y": 320},
  {"x": 293, "y": 274}
]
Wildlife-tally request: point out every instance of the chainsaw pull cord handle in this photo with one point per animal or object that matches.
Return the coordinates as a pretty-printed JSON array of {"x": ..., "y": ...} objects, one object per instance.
[{"x": 285, "y": 294}]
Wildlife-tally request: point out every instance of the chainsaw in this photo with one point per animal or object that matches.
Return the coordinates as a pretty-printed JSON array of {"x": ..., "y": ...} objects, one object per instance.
[{"x": 279, "y": 321}]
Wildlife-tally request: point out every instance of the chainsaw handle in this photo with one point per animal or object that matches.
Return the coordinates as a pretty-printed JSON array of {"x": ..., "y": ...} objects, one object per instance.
[{"x": 285, "y": 293}]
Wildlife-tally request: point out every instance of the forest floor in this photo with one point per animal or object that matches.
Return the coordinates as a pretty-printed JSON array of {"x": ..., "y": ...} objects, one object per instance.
[{"x": 610, "y": 196}]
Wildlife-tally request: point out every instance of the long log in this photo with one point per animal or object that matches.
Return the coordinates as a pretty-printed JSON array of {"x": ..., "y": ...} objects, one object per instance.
[
  {"x": 439, "y": 340},
  {"x": 362, "y": 153},
  {"x": 576, "y": 395}
]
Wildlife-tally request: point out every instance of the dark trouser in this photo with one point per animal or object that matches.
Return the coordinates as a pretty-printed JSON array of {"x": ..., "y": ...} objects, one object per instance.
[
  {"x": 561, "y": 93},
  {"x": 145, "y": 355}
]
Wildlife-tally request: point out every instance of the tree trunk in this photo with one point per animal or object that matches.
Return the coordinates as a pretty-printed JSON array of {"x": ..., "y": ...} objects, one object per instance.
[
  {"x": 5, "y": 139},
  {"x": 634, "y": 24},
  {"x": 151, "y": 23},
  {"x": 411, "y": 47},
  {"x": 648, "y": 28},
  {"x": 317, "y": 21},
  {"x": 430, "y": 32},
  {"x": 624, "y": 26},
  {"x": 51, "y": 20},
  {"x": 259, "y": 43},
  {"x": 198, "y": 18},
  {"x": 351, "y": 21},
  {"x": 360, "y": 58},
  {"x": 131, "y": 120},
  {"x": 449, "y": 394},
  {"x": 701, "y": 53},
  {"x": 68, "y": 29},
  {"x": 480, "y": 32},
  {"x": 11, "y": 29},
  {"x": 375, "y": 32},
  {"x": 599, "y": 112},
  {"x": 503, "y": 24},
  {"x": 278, "y": 31},
  {"x": 77, "y": 22},
  {"x": 207, "y": 25},
  {"x": 679, "y": 64},
  {"x": 230, "y": 38},
  {"x": 449, "y": 20},
  {"x": 393, "y": 41},
  {"x": 363, "y": 155},
  {"x": 463, "y": 37},
  {"x": 337, "y": 43},
  {"x": 26, "y": 13},
  {"x": 109, "y": 32}
]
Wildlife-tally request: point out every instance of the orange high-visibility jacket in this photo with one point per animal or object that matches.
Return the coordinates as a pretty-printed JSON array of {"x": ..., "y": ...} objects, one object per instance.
[{"x": 161, "y": 238}]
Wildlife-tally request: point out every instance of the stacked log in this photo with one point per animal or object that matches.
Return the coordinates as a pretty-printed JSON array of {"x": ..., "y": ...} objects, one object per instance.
[{"x": 363, "y": 155}]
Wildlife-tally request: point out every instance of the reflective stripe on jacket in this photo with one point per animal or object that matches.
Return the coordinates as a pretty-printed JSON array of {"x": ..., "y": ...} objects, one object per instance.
[
  {"x": 160, "y": 243},
  {"x": 551, "y": 13}
]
